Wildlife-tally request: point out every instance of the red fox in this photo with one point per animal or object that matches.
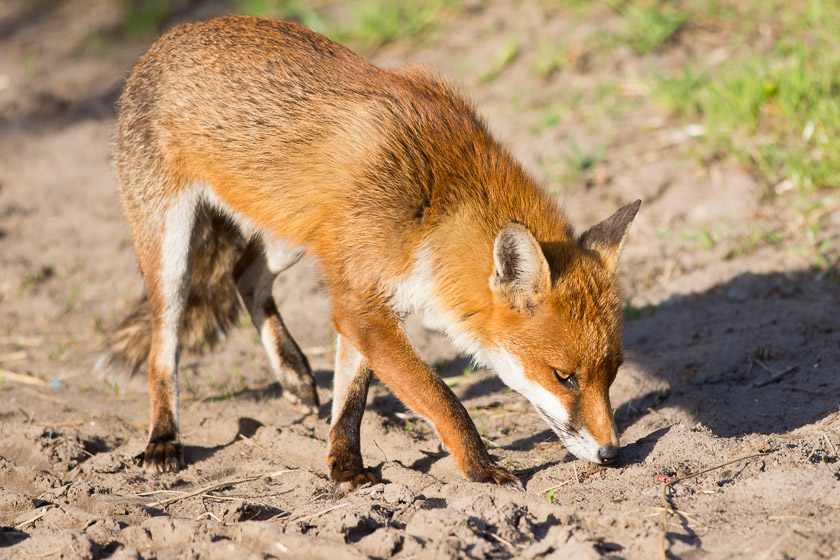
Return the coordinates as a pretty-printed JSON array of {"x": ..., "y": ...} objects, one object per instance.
[{"x": 244, "y": 143}]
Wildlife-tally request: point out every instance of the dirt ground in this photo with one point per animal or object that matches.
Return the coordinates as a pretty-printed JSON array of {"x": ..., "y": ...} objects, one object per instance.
[{"x": 732, "y": 354}]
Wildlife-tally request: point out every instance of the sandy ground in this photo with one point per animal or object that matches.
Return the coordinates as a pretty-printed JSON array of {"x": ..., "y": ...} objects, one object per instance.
[{"x": 730, "y": 353}]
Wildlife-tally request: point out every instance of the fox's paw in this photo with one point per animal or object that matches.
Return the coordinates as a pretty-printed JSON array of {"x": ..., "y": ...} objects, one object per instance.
[
  {"x": 164, "y": 456},
  {"x": 493, "y": 474},
  {"x": 299, "y": 388},
  {"x": 305, "y": 403},
  {"x": 349, "y": 474}
]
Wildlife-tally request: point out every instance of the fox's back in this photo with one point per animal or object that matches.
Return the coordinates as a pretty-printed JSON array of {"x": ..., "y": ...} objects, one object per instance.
[
  {"x": 278, "y": 113},
  {"x": 317, "y": 146}
]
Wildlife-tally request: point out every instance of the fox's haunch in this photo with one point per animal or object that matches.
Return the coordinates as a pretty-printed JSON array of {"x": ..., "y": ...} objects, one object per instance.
[{"x": 213, "y": 304}]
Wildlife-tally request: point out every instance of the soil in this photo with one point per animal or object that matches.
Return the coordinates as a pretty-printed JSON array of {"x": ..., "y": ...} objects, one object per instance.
[{"x": 731, "y": 353}]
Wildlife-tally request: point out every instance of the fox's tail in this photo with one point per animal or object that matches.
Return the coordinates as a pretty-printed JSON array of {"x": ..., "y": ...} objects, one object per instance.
[{"x": 212, "y": 304}]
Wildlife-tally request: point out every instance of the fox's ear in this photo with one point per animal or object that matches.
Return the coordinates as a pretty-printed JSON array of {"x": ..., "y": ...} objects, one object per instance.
[
  {"x": 521, "y": 275},
  {"x": 607, "y": 238}
]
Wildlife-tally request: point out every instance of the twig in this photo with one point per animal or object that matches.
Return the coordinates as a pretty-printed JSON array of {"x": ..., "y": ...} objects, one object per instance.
[
  {"x": 380, "y": 449},
  {"x": 776, "y": 374},
  {"x": 60, "y": 490},
  {"x": 153, "y": 492},
  {"x": 666, "y": 508},
  {"x": 42, "y": 555},
  {"x": 301, "y": 517},
  {"x": 556, "y": 486},
  {"x": 21, "y": 340},
  {"x": 34, "y": 519},
  {"x": 69, "y": 424},
  {"x": 833, "y": 450},
  {"x": 209, "y": 514},
  {"x": 25, "y": 379},
  {"x": 817, "y": 214},
  {"x": 13, "y": 357},
  {"x": 29, "y": 417},
  {"x": 503, "y": 541},
  {"x": 216, "y": 486}
]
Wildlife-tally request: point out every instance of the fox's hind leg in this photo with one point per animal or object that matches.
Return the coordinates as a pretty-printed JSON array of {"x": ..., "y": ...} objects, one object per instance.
[
  {"x": 165, "y": 250},
  {"x": 254, "y": 275},
  {"x": 351, "y": 381}
]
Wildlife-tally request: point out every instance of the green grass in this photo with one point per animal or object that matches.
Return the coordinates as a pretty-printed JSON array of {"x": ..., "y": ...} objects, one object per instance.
[
  {"x": 147, "y": 17},
  {"x": 367, "y": 24},
  {"x": 774, "y": 107},
  {"x": 649, "y": 25},
  {"x": 631, "y": 313},
  {"x": 504, "y": 55}
]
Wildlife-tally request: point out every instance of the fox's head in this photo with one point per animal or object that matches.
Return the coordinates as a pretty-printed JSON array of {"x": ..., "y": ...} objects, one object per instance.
[{"x": 558, "y": 317}]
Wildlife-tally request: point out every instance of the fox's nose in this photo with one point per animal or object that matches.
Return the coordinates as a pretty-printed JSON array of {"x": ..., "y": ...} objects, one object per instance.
[{"x": 608, "y": 454}]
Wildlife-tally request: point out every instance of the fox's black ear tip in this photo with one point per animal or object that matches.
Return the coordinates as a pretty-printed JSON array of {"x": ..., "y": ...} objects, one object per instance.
[{"x": 632, "y": 208}]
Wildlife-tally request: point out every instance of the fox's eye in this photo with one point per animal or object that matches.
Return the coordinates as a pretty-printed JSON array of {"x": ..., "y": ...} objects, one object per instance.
[{"x": 565, "y": 378}]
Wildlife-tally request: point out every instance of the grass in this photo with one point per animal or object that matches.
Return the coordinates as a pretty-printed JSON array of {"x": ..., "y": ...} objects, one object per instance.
[
  {"x": 773, "y": 106},
  {"x": 365, "y": 25},
  {"x": 649, "y": 25},
  {"x": 504, "y": 55},
  {"x": 631, "y": 313},
  {"x": 146, "y": 17}
]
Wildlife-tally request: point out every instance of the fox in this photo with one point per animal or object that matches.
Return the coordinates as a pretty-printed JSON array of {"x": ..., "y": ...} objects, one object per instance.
[{"x": 244, "y": 143}]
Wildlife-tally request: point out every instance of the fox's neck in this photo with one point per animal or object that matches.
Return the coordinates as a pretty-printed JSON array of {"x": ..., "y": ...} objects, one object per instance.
[{"x": 450, "y": 277}]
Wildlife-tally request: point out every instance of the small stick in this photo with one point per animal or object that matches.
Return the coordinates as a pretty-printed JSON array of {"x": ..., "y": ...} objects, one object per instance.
[
  {"x": 577, "y": 478},
  {"x": 380, "y": 449},
  {"x": 153, "y": 492},
  {"x": 51, "y": 490},
  {"x": 301, "y": 517},
  {"x": 503, "y": 541},
  {"x": 25, "y": 379},
  {"x": 776, "y": 374},
  {"x": 29, "y": 417},
  {"x": 833, "y": 450},
  {"x": 216, "y": 486},
  {"x": 42, "y": 555},
  {"x": 13, "y": 357},
  {"x": 665, "y": 508},
  {"x": 209, "y": 514},
  {"x": 33, "y": 520},
  {"x": 69, "y": 424},
  {"x": 556, "y": 486},
  {"x": 21, "y": 340}
]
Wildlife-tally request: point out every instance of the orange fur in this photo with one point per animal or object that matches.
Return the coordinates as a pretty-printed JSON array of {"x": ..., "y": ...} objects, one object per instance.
[{"x": 393, "y": 184}]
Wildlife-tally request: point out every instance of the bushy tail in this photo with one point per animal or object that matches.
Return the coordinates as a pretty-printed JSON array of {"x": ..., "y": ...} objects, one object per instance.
[{"x": 212, "y": 304}]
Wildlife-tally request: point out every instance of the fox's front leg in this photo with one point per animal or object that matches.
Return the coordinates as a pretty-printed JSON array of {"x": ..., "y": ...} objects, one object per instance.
[
  {"x": 350, "y": 388},
  {"x": 378, "y": 335}
]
